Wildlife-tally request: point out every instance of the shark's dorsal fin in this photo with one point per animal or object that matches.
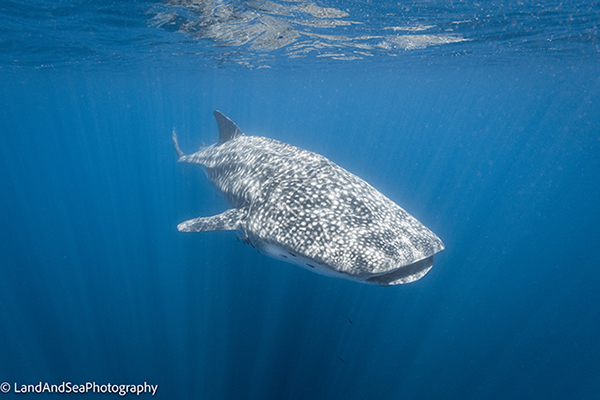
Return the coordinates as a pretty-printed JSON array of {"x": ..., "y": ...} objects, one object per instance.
[{"x": 227, "y": 128}]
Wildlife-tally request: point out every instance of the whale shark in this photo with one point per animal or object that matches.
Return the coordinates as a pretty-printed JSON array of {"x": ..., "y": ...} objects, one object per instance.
[{"x": 299, "y": 207}]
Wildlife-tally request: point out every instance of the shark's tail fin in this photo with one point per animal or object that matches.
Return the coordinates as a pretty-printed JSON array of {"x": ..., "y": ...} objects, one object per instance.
[{"x": 176, "y": 143}]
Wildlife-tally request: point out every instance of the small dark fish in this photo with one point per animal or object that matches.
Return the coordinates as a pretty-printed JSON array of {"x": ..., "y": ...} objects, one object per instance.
[
  {"x": 349, "y": 320},
  {"x": 341, "y": 359}
]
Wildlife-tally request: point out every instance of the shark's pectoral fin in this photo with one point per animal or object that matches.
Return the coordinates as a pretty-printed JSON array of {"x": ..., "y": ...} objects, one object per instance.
[{"x": 230, "y": 220}]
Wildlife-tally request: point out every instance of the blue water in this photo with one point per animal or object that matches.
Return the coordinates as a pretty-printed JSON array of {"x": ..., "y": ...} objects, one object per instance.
[{"x": 492, "y": 142}]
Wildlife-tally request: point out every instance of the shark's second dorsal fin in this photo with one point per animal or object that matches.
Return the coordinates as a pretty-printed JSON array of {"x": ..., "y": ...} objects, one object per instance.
[{"x": 227, "y": 128}]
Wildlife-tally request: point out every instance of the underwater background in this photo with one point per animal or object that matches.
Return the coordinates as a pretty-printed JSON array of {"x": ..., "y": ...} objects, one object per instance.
[{"x": 481, "y": 120}]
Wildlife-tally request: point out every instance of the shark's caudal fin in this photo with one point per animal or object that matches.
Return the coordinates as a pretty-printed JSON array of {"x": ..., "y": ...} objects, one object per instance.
[
  {"x": 176, "y": 143},
  {"x": 227, "y": 128},
  {"x": 229, "y": 220}
]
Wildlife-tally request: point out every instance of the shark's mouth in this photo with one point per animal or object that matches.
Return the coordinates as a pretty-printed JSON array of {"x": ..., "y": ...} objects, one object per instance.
[{"x": 406, "y": 274}]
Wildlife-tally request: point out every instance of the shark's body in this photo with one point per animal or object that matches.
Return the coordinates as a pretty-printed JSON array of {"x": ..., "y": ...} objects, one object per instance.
[{"x": 300, "y": 207}]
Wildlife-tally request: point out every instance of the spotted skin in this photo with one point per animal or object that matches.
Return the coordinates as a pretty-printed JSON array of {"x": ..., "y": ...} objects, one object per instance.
[{"x": 300, "y": 207}]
